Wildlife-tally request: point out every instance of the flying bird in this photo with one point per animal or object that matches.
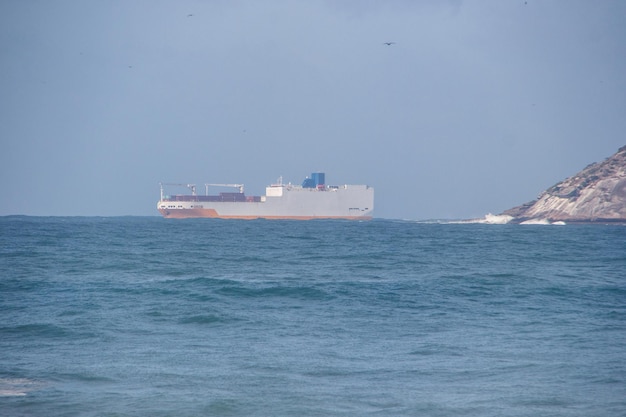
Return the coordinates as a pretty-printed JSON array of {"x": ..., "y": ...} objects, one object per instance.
[{"x": 389, "y": 43}]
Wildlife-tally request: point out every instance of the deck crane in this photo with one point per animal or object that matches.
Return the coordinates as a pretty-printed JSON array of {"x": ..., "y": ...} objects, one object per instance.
[{"x": 192, "y": 187}]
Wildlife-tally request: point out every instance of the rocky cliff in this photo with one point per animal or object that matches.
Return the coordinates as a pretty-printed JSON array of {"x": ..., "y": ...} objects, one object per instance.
[{"x": 595, "y": 194}]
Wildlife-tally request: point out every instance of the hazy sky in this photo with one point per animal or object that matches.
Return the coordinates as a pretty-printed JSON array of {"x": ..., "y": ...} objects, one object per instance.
[{"x": 477, "y": 107}]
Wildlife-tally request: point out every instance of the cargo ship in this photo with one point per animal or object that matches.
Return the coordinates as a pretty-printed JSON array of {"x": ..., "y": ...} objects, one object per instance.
[{"x": 313, "y": 199}]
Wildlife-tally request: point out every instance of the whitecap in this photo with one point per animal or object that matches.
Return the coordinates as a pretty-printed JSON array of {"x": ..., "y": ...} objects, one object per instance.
[
  {"x": 488, "y": 219},
  {"x": 536, "y": 221},
  {"x": 497, "y": 218},
  {"x": 16, "y": 387}
]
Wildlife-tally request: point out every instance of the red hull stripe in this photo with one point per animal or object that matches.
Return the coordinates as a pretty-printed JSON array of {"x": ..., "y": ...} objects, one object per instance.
[{"x": 211, "y": 213}]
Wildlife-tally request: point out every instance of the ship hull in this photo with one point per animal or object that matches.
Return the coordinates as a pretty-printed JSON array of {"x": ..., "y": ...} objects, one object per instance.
[
  {"x": 212, "y": 214},
  {"x": 351, "y": 202}
]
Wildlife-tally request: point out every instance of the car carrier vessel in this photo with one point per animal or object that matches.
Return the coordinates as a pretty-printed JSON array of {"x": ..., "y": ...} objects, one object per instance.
[{"x": 311, "y": 200}]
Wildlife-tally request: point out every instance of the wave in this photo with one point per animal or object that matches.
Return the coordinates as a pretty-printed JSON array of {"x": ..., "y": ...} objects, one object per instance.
[
  {"x": 17, "y": 387},
  {"x": 35, "y": 330},
  {"x": 505, "y": 219},
  {"x": 488, "y": 219},
  {"x": 497, "y": 219},
  {"x": 202, "y": 319},
  {"x": 543, "y": 222},
  {"x": 309, "y": 293}
]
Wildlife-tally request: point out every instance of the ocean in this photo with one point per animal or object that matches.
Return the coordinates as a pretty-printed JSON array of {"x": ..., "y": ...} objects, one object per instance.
[{"x": 143, "y": 316}]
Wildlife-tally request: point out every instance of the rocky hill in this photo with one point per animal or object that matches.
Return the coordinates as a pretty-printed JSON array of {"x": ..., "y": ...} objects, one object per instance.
[{"x": 595, "y": 194}]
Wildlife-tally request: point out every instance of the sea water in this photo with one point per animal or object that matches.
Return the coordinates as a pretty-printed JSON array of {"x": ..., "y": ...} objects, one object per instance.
[{"x": 153, "y": 317}]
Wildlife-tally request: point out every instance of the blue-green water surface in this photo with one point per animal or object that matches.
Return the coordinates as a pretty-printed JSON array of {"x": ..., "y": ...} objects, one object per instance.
[{"x": 155, "y": 317}]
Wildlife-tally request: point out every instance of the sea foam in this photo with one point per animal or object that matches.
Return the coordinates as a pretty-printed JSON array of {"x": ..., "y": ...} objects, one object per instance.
[
  {"x": 16, "y": 387},
  {"x": 490, "y": 219},
  {"x": 543, "y": 222}
]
